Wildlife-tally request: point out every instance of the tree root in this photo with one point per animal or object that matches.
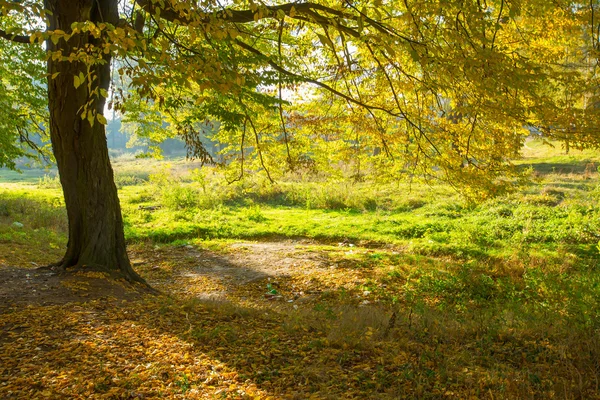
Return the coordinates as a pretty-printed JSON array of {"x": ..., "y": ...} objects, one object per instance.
[
  {"x": 55, "y": 266},
  {"x": 62, "y": 268}
]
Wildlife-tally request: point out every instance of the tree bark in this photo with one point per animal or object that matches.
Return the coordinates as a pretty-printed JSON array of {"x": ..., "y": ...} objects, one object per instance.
[{"x": 96, "y": 237}]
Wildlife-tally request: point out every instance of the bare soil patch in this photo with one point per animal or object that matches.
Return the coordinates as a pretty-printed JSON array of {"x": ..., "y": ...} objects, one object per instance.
[
  {"x": 170, "y": 269},
  {"x": 238, "y": 268},
  {"x": 21, "y": 286}
]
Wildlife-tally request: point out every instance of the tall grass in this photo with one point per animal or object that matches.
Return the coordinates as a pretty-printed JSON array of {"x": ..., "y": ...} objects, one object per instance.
[{"x": 34, "y": 212}]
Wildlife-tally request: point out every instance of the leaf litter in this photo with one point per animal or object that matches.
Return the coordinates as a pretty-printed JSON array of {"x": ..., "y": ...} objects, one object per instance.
[{"x": 284, "y": 320}]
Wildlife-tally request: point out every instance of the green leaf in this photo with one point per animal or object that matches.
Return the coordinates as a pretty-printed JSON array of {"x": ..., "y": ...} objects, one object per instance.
[
  {"x": 326, "y": 41},
  {"x": 390, "y": 50},
  {"x": 76, "y": 81}
]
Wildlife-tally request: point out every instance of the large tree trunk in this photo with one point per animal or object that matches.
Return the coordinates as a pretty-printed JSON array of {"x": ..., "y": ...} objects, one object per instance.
[{"x": 96, "y": 238}]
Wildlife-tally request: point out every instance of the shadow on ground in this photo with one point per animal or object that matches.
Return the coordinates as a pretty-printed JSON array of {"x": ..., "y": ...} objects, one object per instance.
[{"x": 187, "y": 345}]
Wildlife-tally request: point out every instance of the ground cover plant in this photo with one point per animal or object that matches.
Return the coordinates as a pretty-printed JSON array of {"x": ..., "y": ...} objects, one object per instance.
[{"x": 311, "y": 290}]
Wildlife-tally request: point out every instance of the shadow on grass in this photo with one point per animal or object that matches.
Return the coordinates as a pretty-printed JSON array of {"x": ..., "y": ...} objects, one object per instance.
[{"x": 547, "y": 168}]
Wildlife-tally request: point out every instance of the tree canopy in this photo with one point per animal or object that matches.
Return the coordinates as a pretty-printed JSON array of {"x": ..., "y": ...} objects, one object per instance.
[{"x": 448, "y": 85}]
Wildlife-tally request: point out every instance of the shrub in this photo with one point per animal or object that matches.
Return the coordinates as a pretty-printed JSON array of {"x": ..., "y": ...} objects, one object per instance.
[
  {"x": 254, "y": 214},
  {"x": 180, "y": 197},
  {"x": 128, "y": 180},
  {"x": 49, "y": 182}
]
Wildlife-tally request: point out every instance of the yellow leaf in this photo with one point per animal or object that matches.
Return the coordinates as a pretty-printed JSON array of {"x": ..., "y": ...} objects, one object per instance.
[
  {"x": 76, "y": 81},
  {"x": 102, "y": 119}
]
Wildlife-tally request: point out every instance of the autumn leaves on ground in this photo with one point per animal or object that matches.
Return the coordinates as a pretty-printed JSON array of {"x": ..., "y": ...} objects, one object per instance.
[{"x": 369, "y": 296}]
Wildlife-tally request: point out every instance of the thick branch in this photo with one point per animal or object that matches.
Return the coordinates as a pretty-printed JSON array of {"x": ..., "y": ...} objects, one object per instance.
[
  {"x": 15, "y": 38},
  {"x": 231, "y": 15},
  {"x": 306, "y": 11}
]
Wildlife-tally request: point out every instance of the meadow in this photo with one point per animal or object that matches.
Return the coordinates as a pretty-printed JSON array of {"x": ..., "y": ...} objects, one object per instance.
[{"x": 315, "y": 289}]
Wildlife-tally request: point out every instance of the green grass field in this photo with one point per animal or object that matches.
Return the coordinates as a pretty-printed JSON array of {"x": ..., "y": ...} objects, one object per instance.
[{"x": 493, "y": 300}]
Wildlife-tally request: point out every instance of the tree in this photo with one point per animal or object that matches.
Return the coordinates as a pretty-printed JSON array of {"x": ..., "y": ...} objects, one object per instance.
[
  {"x": 445, "y": 86},
  {"x": 96, "y": 238}
]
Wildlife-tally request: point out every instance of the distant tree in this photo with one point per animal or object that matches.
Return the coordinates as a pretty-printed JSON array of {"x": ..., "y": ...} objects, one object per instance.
[{"x": 372, "y": 73}]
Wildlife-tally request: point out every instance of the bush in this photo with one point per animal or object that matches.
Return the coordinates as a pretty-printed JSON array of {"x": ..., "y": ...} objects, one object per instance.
[
  {"x": 180, "y": 197},
  {"x": 49, "y": 182},
  {"x": 254, "y": 214},
  {"x": 128, "y": 180}
]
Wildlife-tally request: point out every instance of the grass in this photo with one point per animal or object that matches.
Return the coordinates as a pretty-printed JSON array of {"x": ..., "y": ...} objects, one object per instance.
[
  {"x": 32, "y": 225},
  {"x": 25, "y": 175},
  {"x": 419, "y": 293}
]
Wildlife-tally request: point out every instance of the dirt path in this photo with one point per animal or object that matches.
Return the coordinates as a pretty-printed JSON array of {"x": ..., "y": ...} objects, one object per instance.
[
  {"x": 245, "y": 262},
  {"x": 174, "y": 270},
  {"x": 237, "y": 268}
]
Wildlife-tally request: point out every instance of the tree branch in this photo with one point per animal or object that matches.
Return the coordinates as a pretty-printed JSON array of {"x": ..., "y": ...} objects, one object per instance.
[
  {"x": 258, "y": 150},
  {"x": 15, "y": 38},
  {"x": 301, "y": 78},
  {"x": 242, "y": 158},
  {"x": 231, "y": 15},
  {"x": 306, "y": 11}
]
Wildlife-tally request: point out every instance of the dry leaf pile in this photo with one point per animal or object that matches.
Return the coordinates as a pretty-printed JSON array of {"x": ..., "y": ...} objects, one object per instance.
[{"x": 233, "y": 326}]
